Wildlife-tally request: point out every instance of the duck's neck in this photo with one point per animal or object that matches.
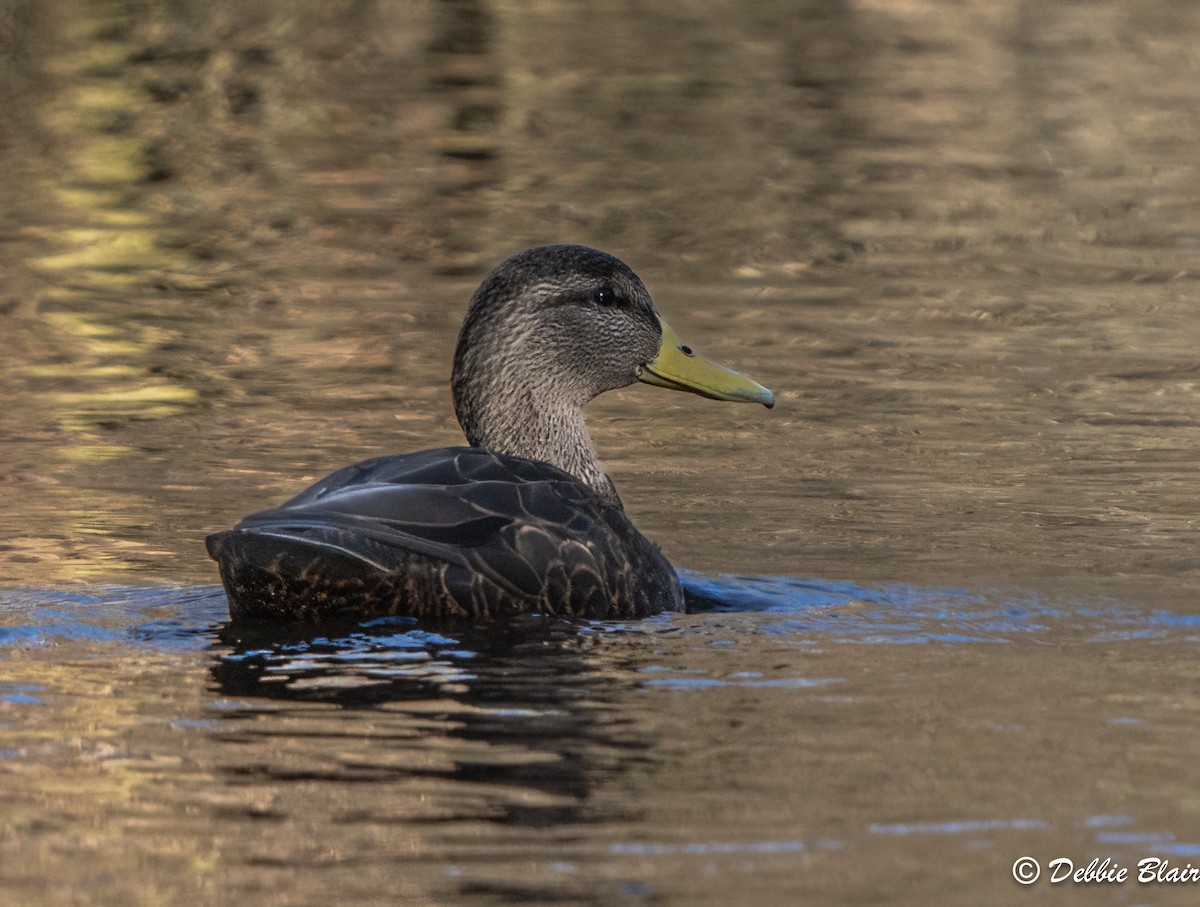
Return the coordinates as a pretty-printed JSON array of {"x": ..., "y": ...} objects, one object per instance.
[{"x": 524, "y": 421}]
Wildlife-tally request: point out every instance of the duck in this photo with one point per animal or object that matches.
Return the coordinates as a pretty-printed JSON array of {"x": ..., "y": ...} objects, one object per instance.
[{"x": 524, "y": 520}]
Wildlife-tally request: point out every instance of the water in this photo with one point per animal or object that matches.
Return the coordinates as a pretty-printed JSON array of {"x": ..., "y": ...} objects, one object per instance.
[
  {"x": 951, "y": 574},
  {"x": 808, "y": 741}
]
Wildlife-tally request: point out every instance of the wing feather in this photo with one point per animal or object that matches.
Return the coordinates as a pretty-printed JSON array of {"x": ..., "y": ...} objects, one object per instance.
[{"x": 468, "y": 530}]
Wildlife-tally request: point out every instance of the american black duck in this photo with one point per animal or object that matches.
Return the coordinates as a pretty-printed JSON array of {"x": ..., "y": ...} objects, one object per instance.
[{"x": 522, "y": 521}]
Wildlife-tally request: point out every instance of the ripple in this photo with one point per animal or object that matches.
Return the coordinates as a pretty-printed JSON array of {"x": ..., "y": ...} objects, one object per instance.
[
  {"x": 958, "y": 828},
  {"x": 902, "y": 614},
  {"x": 192, "y": 617}
]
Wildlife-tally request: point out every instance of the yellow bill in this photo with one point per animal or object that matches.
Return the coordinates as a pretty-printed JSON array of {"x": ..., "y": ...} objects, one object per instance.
[{"x": 678, "y": 367}]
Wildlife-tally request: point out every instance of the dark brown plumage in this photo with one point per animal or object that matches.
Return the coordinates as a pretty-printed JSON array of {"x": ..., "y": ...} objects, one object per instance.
[{"x": 523, "y": 521}]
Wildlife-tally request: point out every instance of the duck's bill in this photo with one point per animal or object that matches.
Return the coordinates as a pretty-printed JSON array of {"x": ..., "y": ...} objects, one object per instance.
[{"x": 676, "y": 366}]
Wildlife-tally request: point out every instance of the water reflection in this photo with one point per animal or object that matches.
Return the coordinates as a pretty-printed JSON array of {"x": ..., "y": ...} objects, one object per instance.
[
  {"x": 236, "y": 241},
  {"x": 511, "y": 726},
  {"x": 395, "y": 659},
  {"x": 549, "y": 760}
]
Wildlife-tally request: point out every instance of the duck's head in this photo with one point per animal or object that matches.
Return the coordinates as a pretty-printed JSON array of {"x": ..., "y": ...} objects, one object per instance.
[{"x": 551, "y": 328}]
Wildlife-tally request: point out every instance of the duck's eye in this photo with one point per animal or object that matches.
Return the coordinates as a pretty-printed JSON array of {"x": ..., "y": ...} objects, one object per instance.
[{"x": 606, "y": 296}]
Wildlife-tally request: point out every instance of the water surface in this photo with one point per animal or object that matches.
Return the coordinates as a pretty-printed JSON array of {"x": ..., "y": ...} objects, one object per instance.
[{"x": 952, "y": 571}]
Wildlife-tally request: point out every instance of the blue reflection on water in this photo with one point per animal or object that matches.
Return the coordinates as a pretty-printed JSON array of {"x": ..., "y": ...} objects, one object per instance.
[
  {"x": 1179, "y": 850},
  {"x": 958, "y": 828},
  {"x": 1106, "y": 821},
  {"x": 900, "y": 613},
  {"x": 189, "y": 617},
  {"x": 164, "y": 617}
]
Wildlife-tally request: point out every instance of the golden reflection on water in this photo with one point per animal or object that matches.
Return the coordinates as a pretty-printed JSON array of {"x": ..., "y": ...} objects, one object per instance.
[
  {"x": 959, "y": 243},
  {"x": 957, "y": 238},
  {"x": 77, "y": 784}
]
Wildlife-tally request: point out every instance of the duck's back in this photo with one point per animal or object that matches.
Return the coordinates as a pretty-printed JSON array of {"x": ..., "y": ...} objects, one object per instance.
[{"x": 445, "y": 533}]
